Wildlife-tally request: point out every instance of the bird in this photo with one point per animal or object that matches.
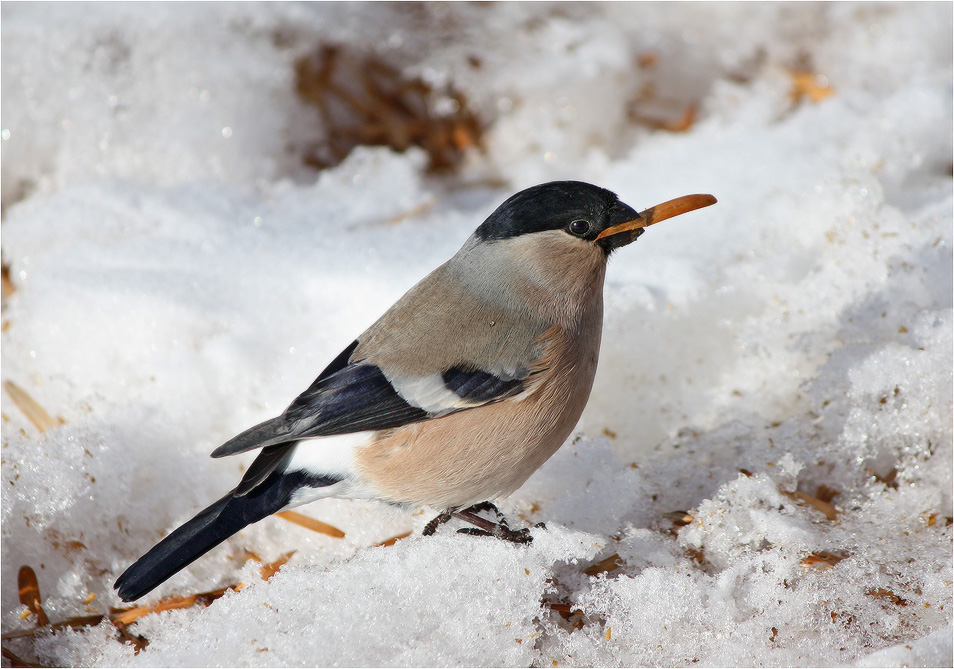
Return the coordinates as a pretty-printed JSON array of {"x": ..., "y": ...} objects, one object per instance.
[{"x": 452, "y": 398}]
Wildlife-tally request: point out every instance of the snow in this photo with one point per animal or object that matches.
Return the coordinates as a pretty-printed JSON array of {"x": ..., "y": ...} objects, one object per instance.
[{"x": 180, "y": 274}]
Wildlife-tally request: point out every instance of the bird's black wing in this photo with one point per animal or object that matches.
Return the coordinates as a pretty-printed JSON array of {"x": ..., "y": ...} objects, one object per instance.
[
  {"x": 344, "y": 398},
  {"x": 477, "y": 387},
  {"x": 356, "y": 398},
  {"x": 353, "y": 397}
]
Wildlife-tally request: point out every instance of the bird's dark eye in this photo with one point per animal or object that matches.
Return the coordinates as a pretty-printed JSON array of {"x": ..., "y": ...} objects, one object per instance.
[{"x": 579, "y": 228}]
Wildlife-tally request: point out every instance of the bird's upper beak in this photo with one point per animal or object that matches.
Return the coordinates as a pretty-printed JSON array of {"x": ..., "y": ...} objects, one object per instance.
[{"x": 626, "y": 225}]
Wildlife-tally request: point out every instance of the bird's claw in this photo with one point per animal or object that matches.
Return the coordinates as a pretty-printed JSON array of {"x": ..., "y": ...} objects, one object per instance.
[
  {"x": 504, "y": 533},
  {"x": 436, "y": 522},
  {"x": 484, "y": 528}
]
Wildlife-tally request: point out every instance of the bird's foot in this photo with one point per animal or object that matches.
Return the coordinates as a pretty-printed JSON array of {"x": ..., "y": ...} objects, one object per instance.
[
  {"x": 514, "y": 536},
  {"x": 482, "y": 526}
]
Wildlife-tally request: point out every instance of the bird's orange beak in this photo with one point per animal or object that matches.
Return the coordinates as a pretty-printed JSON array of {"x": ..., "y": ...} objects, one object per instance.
[{"x": 660, "y": 212}]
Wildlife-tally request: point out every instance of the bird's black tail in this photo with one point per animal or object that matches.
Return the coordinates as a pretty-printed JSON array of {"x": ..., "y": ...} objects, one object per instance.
[{"x": 208, "y": 529}]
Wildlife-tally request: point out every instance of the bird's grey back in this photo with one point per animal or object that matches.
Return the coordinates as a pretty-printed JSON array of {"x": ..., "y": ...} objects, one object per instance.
[{"x": 489, "y": 330}]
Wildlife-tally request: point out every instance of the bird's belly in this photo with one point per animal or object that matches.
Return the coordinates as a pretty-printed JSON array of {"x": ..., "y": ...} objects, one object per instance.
[{"x": 478, "y": 454}]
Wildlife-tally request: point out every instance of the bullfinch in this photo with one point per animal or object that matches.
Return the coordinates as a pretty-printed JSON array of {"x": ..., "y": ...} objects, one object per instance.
[{"x": 456, "y": 395}]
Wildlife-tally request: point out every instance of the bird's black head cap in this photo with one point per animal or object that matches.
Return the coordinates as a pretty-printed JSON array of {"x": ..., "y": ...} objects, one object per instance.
[{"x": 581, "y": 209}]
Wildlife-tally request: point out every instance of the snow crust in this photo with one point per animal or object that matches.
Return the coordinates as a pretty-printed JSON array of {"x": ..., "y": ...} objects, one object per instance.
[{"x": 181, "y": 274}]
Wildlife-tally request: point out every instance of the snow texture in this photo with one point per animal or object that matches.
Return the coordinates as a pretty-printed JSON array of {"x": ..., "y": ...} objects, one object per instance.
[{"x": 180, "y": 274}]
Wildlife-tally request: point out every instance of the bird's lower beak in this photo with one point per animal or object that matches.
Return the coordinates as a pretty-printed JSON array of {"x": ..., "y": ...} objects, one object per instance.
[{"x": 634, "y": 226}]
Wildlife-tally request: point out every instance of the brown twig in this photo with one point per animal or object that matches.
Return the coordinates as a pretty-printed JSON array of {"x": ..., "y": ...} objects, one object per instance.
[
  {"x": 30, "y": 408},
  {"x": 29, "y": 591},
  {"x": 606, "y": 565},
  {"x": 310, "y": 523},
  {"x": 16, "y": 661},
  {"x": 831, "y": 513},
  {"x": 393, "y": 540}
]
